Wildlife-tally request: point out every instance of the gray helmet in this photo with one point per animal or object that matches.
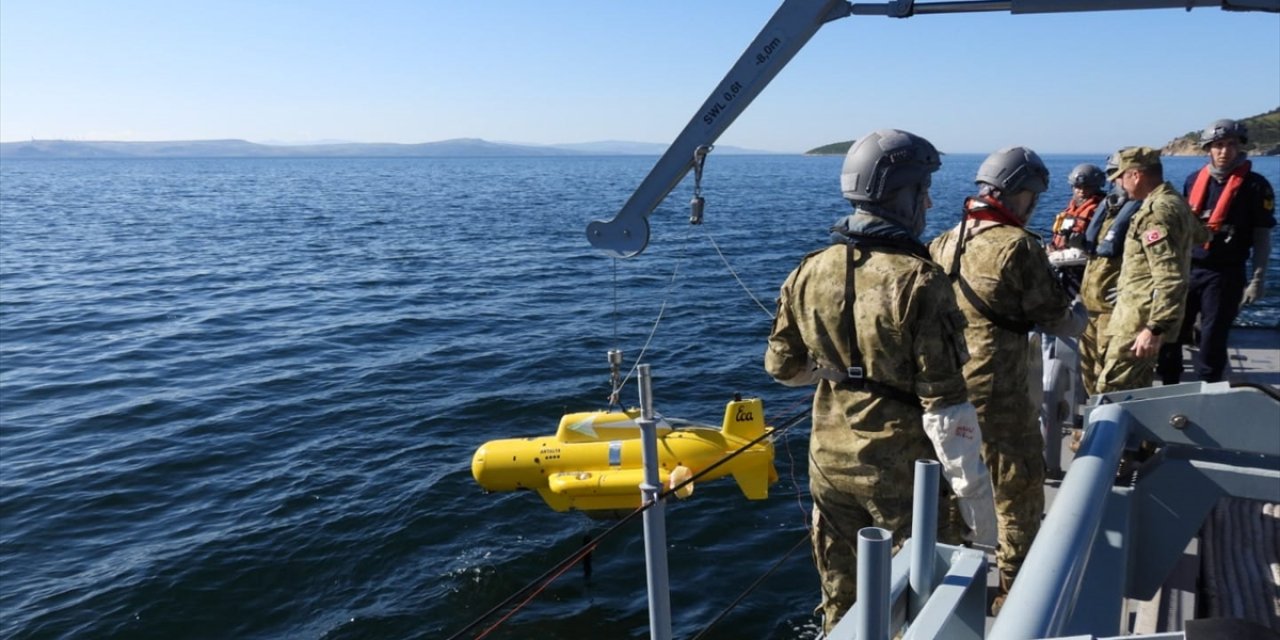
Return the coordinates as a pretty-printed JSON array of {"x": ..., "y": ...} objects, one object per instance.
[
  {"x": 1113, "y": 160},
  {"x": 1087, "y": 176},
  {"x": 1221, "y": 129},
  {"x": 1113, "y": 163},
  {"x": 1013, "y": 169},
  {"x": 882, "y": 162}
]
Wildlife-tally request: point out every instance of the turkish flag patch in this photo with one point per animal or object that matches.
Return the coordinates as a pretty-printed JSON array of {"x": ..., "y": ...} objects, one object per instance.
[{"x": 1152, "y": 236}]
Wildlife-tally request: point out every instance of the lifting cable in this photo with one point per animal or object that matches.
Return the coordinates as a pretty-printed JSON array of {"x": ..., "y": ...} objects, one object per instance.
[
  {"x": 537, "y": 585},
  {"x": 615, "y": 392},
  {"x": 725, "y": 260},
  {"x": 696, "y": 207}
]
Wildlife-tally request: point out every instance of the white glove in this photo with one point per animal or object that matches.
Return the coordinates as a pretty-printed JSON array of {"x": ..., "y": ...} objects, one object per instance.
[
  {"x": 957, "y": 440},
  {"x": 1252, "y": 293}
]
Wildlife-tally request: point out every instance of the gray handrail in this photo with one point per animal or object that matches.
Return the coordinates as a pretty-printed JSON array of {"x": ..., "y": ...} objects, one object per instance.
[{"x": 1049, "y": 581}]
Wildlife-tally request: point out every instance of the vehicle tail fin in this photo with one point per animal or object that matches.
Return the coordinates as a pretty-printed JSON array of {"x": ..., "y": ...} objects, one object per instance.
[
  {"x": 755, "y": 479},
  {"x": 744, "y": 419}
]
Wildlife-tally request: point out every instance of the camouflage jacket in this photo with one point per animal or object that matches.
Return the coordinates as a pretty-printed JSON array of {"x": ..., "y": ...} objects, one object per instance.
[
  {"x": 909, "y": 332},
  {"x": 1006, "y": 267},
  {"x": 1101, "y": 273},
  {"x": 1157, "y": 262}
]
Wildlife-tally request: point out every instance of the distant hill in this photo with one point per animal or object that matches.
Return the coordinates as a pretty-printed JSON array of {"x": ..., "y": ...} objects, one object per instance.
[
  {"x": 1264, "y": 140},
  {"x": 246, "y": 149},
  {"x": 620, "y": 148},
  {"x": 1264, "y": 137},
  {"x": 833, "y": 149},
  {"x": 460, "y": 147},
  {"x": 836, "y": 149}
]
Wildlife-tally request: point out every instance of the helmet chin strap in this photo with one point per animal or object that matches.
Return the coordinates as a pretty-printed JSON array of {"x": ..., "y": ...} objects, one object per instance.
[{"x": 918, "y": 208}]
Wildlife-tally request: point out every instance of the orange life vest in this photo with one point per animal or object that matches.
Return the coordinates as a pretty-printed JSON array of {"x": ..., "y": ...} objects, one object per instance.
[
  {"x": 1200, "y": 194},
  {"x": 1074, "y": 219}
]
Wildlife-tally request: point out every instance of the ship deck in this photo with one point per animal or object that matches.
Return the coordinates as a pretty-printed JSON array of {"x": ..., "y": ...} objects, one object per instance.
[{"x": 1254, "y": 355}]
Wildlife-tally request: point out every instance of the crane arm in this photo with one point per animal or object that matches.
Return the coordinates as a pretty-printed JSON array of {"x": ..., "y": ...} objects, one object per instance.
[{"x": 790, "y": 28}]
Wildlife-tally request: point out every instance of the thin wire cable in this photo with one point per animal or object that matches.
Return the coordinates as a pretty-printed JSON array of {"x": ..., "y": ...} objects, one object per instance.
[
  {"x": 754, "y": 585},
  {"x": 804, "y": 513},
  {"x": 547, "y": 576},
  {"x": 725, "y": 260},
  {"x": 666, "y": 296}
]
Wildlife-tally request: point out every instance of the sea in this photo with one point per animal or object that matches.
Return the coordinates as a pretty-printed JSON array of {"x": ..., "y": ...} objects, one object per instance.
[{"x": 239, "y": 397}]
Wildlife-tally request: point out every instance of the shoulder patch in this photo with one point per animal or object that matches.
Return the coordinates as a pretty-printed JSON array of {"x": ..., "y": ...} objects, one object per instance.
[{"x": 1152, "y": 236}]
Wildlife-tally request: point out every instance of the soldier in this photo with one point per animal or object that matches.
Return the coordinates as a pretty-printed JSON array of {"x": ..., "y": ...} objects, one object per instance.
[
  {"x": 1237, "y": 206},
  {"x": 1152, "y": 284},
  {"x": 1067, "y": 251},
  {"x": 874, "y": 324},
  {"x": 1006, "y": 287},
  {"x": 1104, "y": 241}
]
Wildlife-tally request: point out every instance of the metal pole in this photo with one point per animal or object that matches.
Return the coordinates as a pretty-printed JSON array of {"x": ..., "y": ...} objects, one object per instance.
[
  {"x": 1049, "y": 582},
  {"x": 655, "y": 521},
  {"x": 924, "y": 534},
  {"x": 872, "y": 607}
]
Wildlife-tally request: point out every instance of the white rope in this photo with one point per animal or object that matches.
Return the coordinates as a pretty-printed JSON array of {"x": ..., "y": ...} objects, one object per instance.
[
  {"x": 725, "y": 260},
  {"x": 666, "y": 295}
]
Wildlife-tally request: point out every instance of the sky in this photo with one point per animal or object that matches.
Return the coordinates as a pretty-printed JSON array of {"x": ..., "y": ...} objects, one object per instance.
[{"x": 560, "y": 71}]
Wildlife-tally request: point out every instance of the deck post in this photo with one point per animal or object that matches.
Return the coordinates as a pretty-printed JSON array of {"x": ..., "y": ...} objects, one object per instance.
[
  {"x": 875, "y": 555},
  {"x": 924, "y": 534},
  {"x": 655, "y": 520}
]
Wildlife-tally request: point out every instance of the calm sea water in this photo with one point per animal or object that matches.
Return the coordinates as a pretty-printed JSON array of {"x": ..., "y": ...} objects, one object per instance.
[{"x": 239, "y": 398}]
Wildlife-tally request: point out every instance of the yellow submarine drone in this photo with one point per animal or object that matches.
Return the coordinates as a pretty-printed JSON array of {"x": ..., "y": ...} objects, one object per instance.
[{"x": 593, "y": 462}]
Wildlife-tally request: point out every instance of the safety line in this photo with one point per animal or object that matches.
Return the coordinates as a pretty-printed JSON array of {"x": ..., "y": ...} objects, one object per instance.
[
  {"x": 735, "y": 274},
  {"x": 547, "y": 577},
  {"x": 754, "y": 585}
]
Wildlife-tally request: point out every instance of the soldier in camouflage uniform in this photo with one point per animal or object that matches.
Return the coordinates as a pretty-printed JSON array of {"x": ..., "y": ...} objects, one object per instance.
[
  {"x": 1104, "y": 241},
  {"x": 1005, "y": 287},
  {"x": 874, "y": 324},
  {"x": 1153, "y": 275}
]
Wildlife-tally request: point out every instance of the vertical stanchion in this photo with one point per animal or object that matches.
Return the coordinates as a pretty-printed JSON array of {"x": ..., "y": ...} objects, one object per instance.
[
  {"x": 655, "y": 522},
  {"x": 924, "y": 534},
  {"x": 874, "y": 558}
]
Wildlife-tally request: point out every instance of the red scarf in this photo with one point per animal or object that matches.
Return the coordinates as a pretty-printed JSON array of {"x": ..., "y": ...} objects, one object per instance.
[
  {"x": 1200, "y": 194},
  {"x": 986, "y": 208}
]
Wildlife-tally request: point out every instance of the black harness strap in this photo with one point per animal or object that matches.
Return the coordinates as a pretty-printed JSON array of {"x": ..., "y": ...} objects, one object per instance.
[
  {"x": 856, "y": 372},
  {"x": 1008, "y": 324}
]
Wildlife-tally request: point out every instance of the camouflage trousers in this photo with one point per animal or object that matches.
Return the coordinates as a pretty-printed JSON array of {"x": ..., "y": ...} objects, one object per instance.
[
  {"x": 1017, "y": 469},
  {"x": 1091, "y": 344},
  {"x": 837, "y": 517},
  {"x": 1121, "y": 369}
]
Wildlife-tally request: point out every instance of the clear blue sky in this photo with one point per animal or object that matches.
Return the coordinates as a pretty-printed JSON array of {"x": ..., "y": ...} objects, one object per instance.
[{"x": 557, "y": 71}]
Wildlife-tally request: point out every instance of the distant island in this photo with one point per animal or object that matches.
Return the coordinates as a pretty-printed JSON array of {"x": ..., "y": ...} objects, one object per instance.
[
  {"x": 460, "y": 147},
  {"x": 1264, "y": 140}
]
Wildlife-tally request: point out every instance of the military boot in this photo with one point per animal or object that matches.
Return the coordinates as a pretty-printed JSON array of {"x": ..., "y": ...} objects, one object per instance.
[{"x": 1001, "y": 594}]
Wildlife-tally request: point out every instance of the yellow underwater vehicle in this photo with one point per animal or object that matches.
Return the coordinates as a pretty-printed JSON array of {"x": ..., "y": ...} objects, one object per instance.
[{"x": 593, "y": 461}]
